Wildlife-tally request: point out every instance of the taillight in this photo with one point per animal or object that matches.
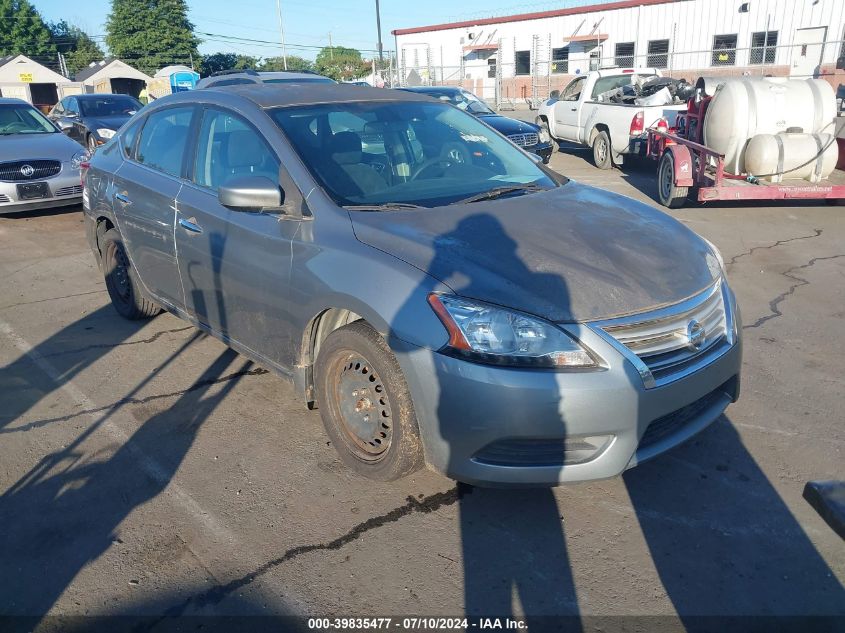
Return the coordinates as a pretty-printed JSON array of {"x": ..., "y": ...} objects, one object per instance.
[
  {"x": 663, "y": 126},
  {"x": 637, "y": 124},
  {"x": 83, "y": 170}
]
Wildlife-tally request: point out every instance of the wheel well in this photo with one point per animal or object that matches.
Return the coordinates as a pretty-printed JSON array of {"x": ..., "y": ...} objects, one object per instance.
[
  {"x": 103, "y": 225},
  {"x": 599, "y": 127},
  {"x": 315, "y": 334}
]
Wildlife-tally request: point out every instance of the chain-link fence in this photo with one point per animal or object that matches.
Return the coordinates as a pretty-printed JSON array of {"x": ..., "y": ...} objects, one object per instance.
[{"x": 508, "y": 78}]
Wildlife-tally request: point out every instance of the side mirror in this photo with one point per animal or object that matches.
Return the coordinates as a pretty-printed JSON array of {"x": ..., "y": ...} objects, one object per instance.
[
  {"x": 250, "y": 193},
  {"x": 554, "y": 95}
]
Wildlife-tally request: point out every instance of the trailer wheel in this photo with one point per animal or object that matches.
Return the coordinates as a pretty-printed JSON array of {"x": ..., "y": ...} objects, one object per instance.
[
  {"x": 602, "y": 151},
  {"x": 670, "y": 195}
]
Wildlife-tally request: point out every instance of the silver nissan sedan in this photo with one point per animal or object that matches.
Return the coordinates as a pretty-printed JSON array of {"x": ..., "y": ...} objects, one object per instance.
[
  {"x": 39, "y": 166},
  {"x": 442, "y": 299}
]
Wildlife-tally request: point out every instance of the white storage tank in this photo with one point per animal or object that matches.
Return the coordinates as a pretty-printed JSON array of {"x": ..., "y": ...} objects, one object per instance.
[
  {"x": 791, "y": 156},
  {"x": 745, "y": 107}
]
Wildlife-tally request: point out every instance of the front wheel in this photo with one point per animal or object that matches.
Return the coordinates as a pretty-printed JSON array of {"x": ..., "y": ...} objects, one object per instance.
[
  {"x": 670, "y": 195},
  {"x": 365, "y": 404},
  {"x": 602, "y": 151}
]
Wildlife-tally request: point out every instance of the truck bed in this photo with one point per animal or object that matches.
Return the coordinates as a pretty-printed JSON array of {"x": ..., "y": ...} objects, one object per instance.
[{"x": 832, "y": 187}]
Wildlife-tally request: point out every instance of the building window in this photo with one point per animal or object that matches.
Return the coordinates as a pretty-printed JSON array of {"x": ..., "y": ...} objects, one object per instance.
[
  {"x": 724, "y": 50},
  {"x": 625, "y": 54},
  {"x": 658, "y": 54},
  {"x": 763, "y": 47},
  {"x": 491, "y": 68},
  {"x": 523, "y": 62},
  {"x": 560, "y": 60}
]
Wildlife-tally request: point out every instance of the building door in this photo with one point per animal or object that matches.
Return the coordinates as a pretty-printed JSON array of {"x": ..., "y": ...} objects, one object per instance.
[{"x": 807, "y": 52}]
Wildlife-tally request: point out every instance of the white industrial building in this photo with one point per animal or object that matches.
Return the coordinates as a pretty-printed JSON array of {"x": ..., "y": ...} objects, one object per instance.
[{"x": 525, "y": 56}]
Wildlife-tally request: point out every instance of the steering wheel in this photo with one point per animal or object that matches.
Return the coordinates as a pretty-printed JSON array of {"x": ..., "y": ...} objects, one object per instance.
[
  {"x": 15, "y": 126},
  {"x": 437, "y": 161}
]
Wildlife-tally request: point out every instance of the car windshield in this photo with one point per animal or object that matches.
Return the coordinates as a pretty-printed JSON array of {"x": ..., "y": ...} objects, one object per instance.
[
  {"x": 406, "y": 153},
  {"x": 109, "y": 106},
  {"x": 301, "y": 80},
  {"x": 23, "y": 119},
  {"x": 462, "y": 99}
]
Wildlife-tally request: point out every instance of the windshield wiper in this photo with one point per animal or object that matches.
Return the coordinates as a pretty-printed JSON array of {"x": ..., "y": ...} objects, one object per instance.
[
  {"x": 496, "y": 192},
  {"x": 387, "y": 206}
]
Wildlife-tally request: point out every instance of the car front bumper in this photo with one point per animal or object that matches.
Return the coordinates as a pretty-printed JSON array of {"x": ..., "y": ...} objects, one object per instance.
[
  {"x": 64, "y": 189},
  {"x": 499, "y": 426},
  {"x": 543, "y": 150}
]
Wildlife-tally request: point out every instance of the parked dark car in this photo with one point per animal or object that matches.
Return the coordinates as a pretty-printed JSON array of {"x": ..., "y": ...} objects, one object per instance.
[
  {"x": 489, "y": 318},
  {"x": 93, "y": 119},
  {"x": 530, "y": 137}
]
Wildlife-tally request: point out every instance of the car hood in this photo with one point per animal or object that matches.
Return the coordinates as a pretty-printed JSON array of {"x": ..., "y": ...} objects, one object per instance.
[
  {"x": 506, "y": 125},
  {"x": 573, "y": 253},
  {"x": 55, "y": 146},
  {"x": 111, "y": 122}
]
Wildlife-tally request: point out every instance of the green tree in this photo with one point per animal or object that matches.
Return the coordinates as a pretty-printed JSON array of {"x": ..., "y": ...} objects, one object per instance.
[
  {"x": 151, "y": 34},
  {"x": 295, "y": 63},
  {"x": 23, "y": 31},
  {"x": 76, "y": 45},
  {"x": 341, "y": 63},
  {"x": 226, "y": 61}
]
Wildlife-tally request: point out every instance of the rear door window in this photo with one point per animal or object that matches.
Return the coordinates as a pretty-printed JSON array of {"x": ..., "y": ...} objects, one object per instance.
[{"x": 164, "y": 139}]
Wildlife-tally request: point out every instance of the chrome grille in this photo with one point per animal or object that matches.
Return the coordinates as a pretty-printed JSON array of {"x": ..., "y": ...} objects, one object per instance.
[
  {"x": 69, "y": 191},
  {"x": 25, "y": 170},
  {"x": 669, "y": 341},
  {"x": 525, "y": 140}
]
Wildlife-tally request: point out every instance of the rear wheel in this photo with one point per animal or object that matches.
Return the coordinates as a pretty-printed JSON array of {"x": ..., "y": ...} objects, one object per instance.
[
  {"x": 122, "y": 283},
  {"x": 602, "y": 151},
  {"x": 365, "y": 404},
  {"x": 670, "y": 195}
]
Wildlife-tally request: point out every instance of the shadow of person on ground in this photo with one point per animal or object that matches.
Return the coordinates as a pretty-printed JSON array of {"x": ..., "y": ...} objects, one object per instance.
[{"x": 63, "y": 515}]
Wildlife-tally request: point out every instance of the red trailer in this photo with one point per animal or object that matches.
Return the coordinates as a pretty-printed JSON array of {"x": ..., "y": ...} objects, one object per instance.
[{"x": 686, "y": 165}]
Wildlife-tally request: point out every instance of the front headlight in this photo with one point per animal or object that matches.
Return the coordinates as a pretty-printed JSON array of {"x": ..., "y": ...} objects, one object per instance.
[
  {"x": 497, "y": 336},
  {"x": 79, "y": 158},
  {"x": 544, "y": 136},
  {"x": 105, "y": 133}
]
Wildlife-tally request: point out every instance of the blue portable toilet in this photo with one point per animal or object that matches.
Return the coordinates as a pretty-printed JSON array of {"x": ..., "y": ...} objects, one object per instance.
[{"x": 181, "y": 78}]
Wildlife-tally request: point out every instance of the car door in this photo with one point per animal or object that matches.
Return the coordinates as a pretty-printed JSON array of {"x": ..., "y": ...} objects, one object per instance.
[
  {"x": 235, "y": 264},
  {"x": 145, "y": 189},
  {"x": 72, "y": 120},
  {"x": 566, "y": 111}
]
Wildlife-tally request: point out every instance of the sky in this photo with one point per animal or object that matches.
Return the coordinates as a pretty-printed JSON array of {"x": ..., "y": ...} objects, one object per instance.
[{"x": 308, "y": 25}]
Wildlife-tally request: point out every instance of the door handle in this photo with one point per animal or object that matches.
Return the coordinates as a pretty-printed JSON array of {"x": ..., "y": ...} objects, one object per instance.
[
  {"x": 574, "y": 109},
  {"x": 122, "y": 197},
  {"x": 190, "y": 226}
]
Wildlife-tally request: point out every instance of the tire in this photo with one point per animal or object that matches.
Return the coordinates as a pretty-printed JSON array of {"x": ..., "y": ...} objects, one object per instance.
[
  {"x": 602, "y": 151},
  {"x": 124, "y": 287},
  {"x": 668, "y": 193},
  {"x": 365, "y": 404}
]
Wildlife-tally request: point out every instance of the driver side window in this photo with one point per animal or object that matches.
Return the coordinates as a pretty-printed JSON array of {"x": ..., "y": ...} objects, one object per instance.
[
  {"x": 71, "y": 106},
  {"x": 228, "y": 147},
  {"x": 573, "y": 90}
]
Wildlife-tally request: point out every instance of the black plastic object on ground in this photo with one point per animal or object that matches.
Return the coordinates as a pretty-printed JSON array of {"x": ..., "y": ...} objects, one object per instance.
[{"x": 828, "y": 498}]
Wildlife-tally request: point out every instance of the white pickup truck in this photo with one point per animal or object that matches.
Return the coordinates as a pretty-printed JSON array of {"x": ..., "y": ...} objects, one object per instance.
[{"x": 587, "y": 112}]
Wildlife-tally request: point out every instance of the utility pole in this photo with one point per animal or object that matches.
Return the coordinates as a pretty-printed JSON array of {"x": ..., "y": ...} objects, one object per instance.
[
  {"x": 331, "y": 48},
  {"x": 282, "y": 34},
  {"x": 378, "y": 27}
]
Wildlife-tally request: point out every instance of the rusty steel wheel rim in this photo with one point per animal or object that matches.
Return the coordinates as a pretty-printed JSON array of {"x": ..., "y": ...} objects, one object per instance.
[{"x": 365, "y": 413}]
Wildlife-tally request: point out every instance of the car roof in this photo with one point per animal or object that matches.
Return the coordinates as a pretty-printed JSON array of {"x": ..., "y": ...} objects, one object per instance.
[
  {"x": 294, "y": 94},
  {"x": 100, "y": 95}
]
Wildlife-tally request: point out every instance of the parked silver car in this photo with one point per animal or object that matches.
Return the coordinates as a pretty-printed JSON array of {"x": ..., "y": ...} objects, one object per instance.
[
  {"x": 489, "y": 318},
  {"x": 39, "y": 166}
]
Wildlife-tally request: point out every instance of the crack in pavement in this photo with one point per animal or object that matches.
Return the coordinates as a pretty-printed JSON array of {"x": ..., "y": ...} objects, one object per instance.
[
  {"x": 151, "y": 339},
  {"x": 774, "y": 303},
  {"x": 27, "y": 303},
  {"x": 258, "y": 371},
  {"x": 216, "y": 594},
  {"x": 816, "y": 233}
]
